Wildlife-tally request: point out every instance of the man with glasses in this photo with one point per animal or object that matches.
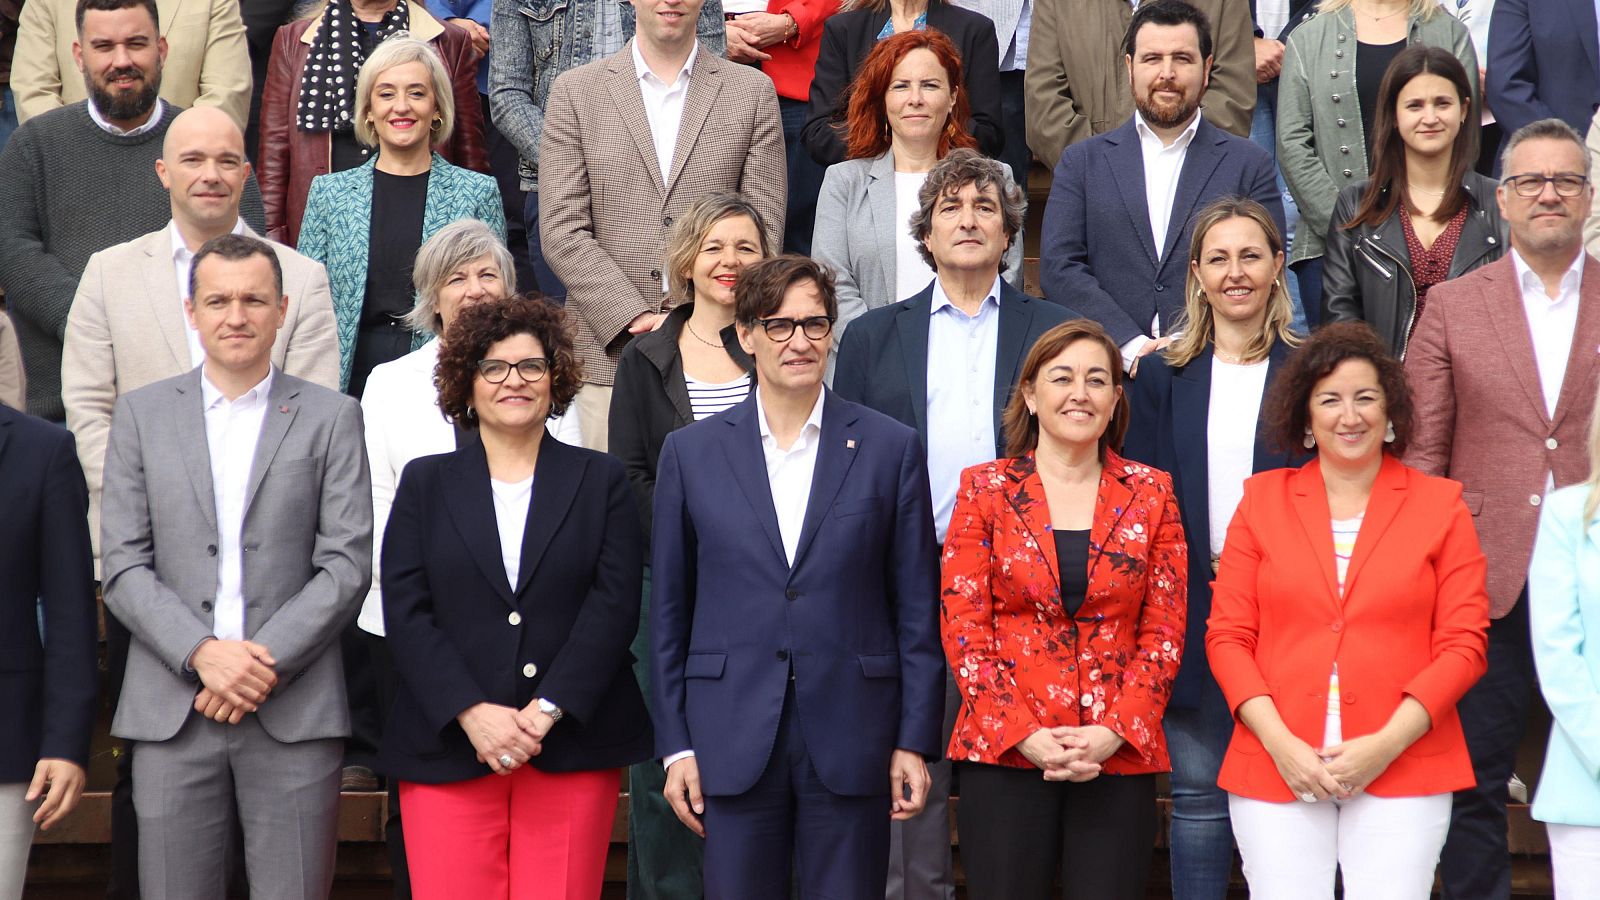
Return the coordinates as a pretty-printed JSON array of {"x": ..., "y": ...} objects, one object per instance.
[
  {"x": 796, "y": 670},
  {"x": 1503, "y": 367}
]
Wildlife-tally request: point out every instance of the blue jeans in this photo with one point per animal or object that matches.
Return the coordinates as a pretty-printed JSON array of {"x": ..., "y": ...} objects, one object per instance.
[
  {"x": 1201, "y": 837},
  {"x": 805, "y": 180},
  {"x": 8, "y": 116},
  {"x": 548, "y": 283},
  {"x": 1264, "y": 131}
]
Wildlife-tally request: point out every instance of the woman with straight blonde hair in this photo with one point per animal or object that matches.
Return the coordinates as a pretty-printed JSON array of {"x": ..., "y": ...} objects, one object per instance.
[{"x": 1196, "y": 409}]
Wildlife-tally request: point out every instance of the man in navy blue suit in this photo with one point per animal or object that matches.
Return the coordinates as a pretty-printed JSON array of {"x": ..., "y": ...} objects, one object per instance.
[
  {"x": 1117, "y": 226},
  {"x": 798, "y": 677},
  {"x": 1544, "y": 62}
]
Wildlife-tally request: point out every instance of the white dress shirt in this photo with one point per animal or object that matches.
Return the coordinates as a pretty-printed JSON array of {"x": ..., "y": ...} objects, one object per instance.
[
  {"x": 663, "y": 104},
  {"x": 1163, "y": 166},
  {"x": 1231, "y": 419},
  {"x": 961, "y": 354},
  {"x": 150, "y": 124},
  {"x": 232, "y": 430},
  {"x": 182, "y": 262},
  {"x": 1551, "y": 321}
]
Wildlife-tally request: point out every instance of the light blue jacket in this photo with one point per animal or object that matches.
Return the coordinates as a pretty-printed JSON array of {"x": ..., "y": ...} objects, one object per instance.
[
  {"x": 1564, "y": 612},
  {"x": 338, "y": 225}
]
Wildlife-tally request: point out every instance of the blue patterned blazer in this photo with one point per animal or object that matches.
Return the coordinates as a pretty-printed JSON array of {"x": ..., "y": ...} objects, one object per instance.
[{"x": 338, "y": 223}]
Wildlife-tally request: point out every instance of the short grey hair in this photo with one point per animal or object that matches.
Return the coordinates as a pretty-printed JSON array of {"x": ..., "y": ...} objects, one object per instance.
[
  {"x": 450, "y": 248},
  {"x": 964, "y": 166},
  {"x": 1544, "y": 129},
  {"x": 397, "y": 50}
]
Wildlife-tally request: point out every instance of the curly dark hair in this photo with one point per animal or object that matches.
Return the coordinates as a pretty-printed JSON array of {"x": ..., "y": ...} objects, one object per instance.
[
  {"x": 1286, "y": 413},
  {"x": 482, "y": 325}
]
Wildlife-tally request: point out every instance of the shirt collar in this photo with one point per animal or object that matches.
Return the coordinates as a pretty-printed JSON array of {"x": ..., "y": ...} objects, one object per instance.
[
  {"x": 1530, "y": 282},
  {"x": 813, "y": 422},
  {"x": 642, "y": 69},
  {"x": 1146, "y": 133},
  {"x": 942, "y": 300},
  {"x": 156, "y": 112},
  {"x": 211, "y": 396},
  {"x": 180, "y": 249}
]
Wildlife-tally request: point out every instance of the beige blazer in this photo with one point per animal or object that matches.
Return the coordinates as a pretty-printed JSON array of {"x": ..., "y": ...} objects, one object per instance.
[
  {"x": 127, "y": 329},
  {"x": 604, "y": 208},
  {"x": 13, "y": 387},
  {"x": 207, "y": 61}
]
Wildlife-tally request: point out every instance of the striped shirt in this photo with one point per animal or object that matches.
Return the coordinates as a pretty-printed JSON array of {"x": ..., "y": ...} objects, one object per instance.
[
  {"x": 1344, "y": 546},
  {"x": 707, "y": 399}
]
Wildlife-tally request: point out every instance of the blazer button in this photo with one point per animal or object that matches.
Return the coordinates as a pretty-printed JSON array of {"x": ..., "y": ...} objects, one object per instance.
[
  {"x": 666, "y": 220},
  {"x": 791, "y": 595},
  {"x": 205, "y": 606},
  {"x": 1492, "y": 240},
  {"x": 515, "y": 618},
  {"x": 1160, "y": 288},
  {"x": 1342, "y": 38},
  {"x": 1337, "y": 627},
  {"x": 1341, "y": 123},
  {"x": 1338, "y": 54},
  {"x": 1086, "y": 700},
  {"x": 783, "y": 656},
  {"x": 655, "y": 274},
  {"x": 1336, "y": 98},
  {"x": 530, "y": 670},
  {"x": 1550, "y": 443},
  {"x": 1535, "y": 499},
  {"x": 211, "y": 550},
  {"x": 1349, "y": 697},
  {"x": 1348, "y": 173},
  {"x": 1345, "y": 150},
  {"x": 1334, "y": 74}
]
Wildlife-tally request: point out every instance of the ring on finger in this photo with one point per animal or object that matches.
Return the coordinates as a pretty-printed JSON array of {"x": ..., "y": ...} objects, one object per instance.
[
  {"x": 1308, "y": 797},
  {"x": 1347, "y": 787},
  {"x": 506, "y": 760}
]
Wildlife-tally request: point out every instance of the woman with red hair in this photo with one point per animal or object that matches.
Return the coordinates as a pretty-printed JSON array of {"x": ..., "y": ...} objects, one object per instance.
[{"x": 907, "y": 109}]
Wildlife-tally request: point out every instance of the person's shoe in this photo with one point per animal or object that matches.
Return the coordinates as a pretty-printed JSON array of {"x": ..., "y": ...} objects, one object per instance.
[
  {"x": 1515, "y": 787},
  {"x": 358, "y": 780}
]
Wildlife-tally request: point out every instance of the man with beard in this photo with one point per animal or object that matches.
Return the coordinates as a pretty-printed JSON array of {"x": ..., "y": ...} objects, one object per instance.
[
  {"x": 81, "y": 178},
  {"x": 1117, "y": 226},
  {"x": 1502, "y": 365}
]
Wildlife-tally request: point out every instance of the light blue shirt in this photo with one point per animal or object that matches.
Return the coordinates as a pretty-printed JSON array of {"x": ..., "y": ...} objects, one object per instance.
[{"x": 961, "y": 355}]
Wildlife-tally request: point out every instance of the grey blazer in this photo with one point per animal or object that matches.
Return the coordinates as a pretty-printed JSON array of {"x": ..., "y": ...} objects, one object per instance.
[
  {"x": 307, "y": 540},
  {"x": 856, "y": 231}
]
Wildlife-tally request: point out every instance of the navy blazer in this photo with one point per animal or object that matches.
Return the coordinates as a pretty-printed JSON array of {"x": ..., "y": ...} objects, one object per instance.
[
  {"x": 1170, "y": 408},
  {"x": 1096, "y": 252},
  {"x": 1543, "y": 62},
  {"x": 883, "y": 358},
  {"x": 856, "y": 618},
  {"x": 47, "y": 687},
  {"x": 462, "y": 634}
]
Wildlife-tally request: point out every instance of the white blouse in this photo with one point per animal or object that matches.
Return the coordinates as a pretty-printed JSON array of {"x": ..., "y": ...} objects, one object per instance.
[
  {"x": 511, "y": 501},
  {"x": 1231, "y": 417}
]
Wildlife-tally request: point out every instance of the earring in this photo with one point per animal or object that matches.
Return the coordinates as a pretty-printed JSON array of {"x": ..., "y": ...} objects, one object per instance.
[
  {"x": 1310, "y": 441},
  {"x": 472, "y": 413},
  {"x": 1388, "y": 434},
  {"x": 438, "y": 123}
]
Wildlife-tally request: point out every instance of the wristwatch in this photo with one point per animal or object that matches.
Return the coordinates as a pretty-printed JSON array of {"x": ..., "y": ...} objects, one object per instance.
[{"x": 549, "y": 709}]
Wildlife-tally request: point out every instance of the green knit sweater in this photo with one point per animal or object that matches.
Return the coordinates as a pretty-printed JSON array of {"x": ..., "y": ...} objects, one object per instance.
[{"x": 69, "y": 189}]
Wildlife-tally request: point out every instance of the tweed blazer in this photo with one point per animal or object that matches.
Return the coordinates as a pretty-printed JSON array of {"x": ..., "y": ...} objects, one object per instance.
[
  {"x": 127, "y": 329},
  {"x": 604, "y": 207},
  {"x": 1021, "y": 661},
  {"x": 207, "y": 61},
  {"x": 337, "y": 232},
  {"x": 1472, "y": 353},
  {"x": 1321, "y": 145},
  {"x": 858, "y": 227}
]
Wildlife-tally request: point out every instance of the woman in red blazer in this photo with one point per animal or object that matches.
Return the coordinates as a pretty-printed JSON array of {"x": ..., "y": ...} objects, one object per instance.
[
  {"x": 1063, "y": 600},
  {"x": 1348, "y": 617}
]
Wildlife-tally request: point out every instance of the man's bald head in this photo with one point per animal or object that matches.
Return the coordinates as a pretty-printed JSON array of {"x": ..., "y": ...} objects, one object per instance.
[{"x": 204, "y": 170}]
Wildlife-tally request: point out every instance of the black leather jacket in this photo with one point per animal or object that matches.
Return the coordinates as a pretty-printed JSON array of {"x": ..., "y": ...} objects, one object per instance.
[{"x": 1366, "y": 271}]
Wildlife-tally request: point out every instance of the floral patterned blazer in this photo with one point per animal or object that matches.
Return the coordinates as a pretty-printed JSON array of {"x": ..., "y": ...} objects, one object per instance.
[{"x": 1021, "y": 662}]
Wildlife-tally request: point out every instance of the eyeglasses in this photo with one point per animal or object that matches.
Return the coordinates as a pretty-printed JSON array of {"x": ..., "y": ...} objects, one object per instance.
[
  {"x": 496, "y": 371},
  {"x": 1567, "y": 184},
  {"x": 815, "y": 327}
]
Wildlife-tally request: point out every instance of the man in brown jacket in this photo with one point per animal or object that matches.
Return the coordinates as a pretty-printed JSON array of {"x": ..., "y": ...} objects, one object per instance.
[{"x": 1077, "y": 79}]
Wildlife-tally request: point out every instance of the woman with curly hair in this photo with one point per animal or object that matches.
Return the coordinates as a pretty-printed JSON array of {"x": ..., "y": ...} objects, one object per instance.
[{"x": 511, "y": 579}]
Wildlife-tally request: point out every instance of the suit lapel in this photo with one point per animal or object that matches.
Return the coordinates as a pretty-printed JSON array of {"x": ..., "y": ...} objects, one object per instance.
[
  {"x": 840, "y": 442},
  {"x": 1388, "y": 494},
  {"x": 1026, "y": 496},
  {"x": 624, "y": 89},
  {"x": 1265, "y": 457},
  {"x": 559, "y": 472},
  {"x": 1191, "y": 408},
  {"x": 1111, "y": 503},
  {"x": 1511, "y": 323},
  {"x": 165, "y": 297},
  {"x": 702, "y": 95},
  {"x": 1128, "y": 163},
  {"x": 1016, "y": 315},
  {"x": 911, "y": 325},
  {"x": 281, "y": 411},
  {"x": 189, "y": 414},
  {"x": 471, "y": 504},
  {"x": 742, "y": 445},
  {"x": 1310, "y": 499},
  {"x": 7, "y": 416},
  {"x": 1583, "y": 15},
  {"x": 880, "y": 197},
  {"x": 440, "y": 207},
  {"x": 1199, "y": 163},
  {"x": 1577, "y": 391}
]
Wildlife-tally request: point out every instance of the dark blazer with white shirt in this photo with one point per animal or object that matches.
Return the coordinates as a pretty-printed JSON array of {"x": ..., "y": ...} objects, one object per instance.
[{"x": 462, "y": 634}]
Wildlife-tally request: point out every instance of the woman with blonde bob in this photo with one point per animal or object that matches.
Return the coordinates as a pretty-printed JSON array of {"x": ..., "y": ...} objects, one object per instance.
[
  {"x": 1564, "y": 618},
  {"x": 366, "y": 224},
  {"x": 1196, "y": 409}
]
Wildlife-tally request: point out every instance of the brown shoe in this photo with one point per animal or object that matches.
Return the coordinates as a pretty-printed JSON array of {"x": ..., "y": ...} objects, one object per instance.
[{"x": 358, "y": 780}]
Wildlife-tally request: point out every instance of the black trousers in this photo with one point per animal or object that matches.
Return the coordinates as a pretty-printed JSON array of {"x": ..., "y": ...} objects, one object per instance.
[{"x": 1018, "y": 830}]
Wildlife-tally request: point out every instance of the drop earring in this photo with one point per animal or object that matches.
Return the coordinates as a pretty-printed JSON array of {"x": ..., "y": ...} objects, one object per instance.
[
  {"x": 1310, "y": 441},
  {"x": 1388, "y": 434}
]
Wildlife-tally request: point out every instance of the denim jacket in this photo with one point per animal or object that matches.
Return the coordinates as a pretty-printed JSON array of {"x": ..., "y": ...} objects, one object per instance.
[{"x": 536, "y": 40}]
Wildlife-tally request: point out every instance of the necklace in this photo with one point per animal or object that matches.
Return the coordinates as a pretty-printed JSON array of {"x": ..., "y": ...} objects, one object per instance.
[
  {"x": 1421, "y": 191},
  {"x": 1384, "y": 16},
  {"x": 690, "y": 325},
  {"x": 1228, "y": 358}
]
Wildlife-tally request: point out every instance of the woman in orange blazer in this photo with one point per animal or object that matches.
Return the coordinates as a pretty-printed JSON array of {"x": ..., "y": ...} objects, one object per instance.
[
  {"x": 1348, "y": 617},
  {"x": 1064, "y": 588}
]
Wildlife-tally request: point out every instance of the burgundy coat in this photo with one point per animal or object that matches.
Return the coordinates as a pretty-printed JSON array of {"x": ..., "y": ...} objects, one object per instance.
[{"x": 289, "y": 157}]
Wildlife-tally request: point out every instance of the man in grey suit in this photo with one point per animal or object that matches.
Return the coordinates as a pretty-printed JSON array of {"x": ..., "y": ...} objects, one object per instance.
[{"x": 236, "y": 544}]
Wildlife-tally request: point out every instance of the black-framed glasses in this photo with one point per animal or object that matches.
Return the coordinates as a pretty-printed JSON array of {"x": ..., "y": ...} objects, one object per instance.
[
  {"x": 1567, "y": 184},
  {"x": 813, "y": 327},
  {"x": 496, "y": 371}
]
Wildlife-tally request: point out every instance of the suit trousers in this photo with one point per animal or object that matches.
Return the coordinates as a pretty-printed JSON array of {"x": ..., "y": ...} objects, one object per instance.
[
  {"x": 1018, "y": 831},
  {"x": 529, "y": 835},
  {"x": 190, "y": 789},
  {"x": 789, "y": 822},
  {"x": 920, "y": 867},
  {"x": 1476, "y": 864},
  {"x": 593, "y": 406},
  {"x": 16, "y": 839},
  {"x": 1385, "y": 848},
  {"x": 1575, "y": 860}
]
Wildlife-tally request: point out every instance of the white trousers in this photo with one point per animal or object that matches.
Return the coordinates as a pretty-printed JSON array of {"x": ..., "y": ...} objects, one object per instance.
[
  {"x": 1575, "y": 859},
  {"x": 1386, "y": 847},
  {"x": 16, "y": 838}
]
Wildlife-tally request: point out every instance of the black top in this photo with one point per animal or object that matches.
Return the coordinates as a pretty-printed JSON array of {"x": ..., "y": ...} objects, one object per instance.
[
  {"x": 346, "y": 152},
  {"x": 1072, "y": 559},
  {"x": 1372, "y": 61},
  {"x": 398, "y": 202}
]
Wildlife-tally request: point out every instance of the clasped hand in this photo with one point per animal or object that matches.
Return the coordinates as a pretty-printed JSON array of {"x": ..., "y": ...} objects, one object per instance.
[
  {"x": 503, "y": 732},
  {"x": 1340, "y": 771},
  {"x": 237, "y": 677},
  {"x": 1068, "y": 753}
]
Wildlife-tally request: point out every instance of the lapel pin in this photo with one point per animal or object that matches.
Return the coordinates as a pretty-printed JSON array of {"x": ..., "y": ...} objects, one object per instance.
[
  {"x": 850, "y": 444},
  {"x": 283, "y": 409}
]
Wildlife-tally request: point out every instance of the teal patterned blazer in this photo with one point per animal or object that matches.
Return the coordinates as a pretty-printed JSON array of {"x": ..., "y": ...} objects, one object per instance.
[{"x": 338, "y": 223}]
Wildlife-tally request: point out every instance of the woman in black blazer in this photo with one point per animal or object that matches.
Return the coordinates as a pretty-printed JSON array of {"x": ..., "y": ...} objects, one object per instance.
[
  {"x": 848, "y": 37},
  {"x": 511, "y": 572},
  {"x": 1233, "y": 342}
]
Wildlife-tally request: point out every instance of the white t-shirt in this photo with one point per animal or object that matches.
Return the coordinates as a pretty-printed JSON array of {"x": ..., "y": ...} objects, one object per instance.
[
  {"x": 911, "y": 274},
  {"x": 511, "y": 499},
  {"x": 1231, "y": 420}
]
